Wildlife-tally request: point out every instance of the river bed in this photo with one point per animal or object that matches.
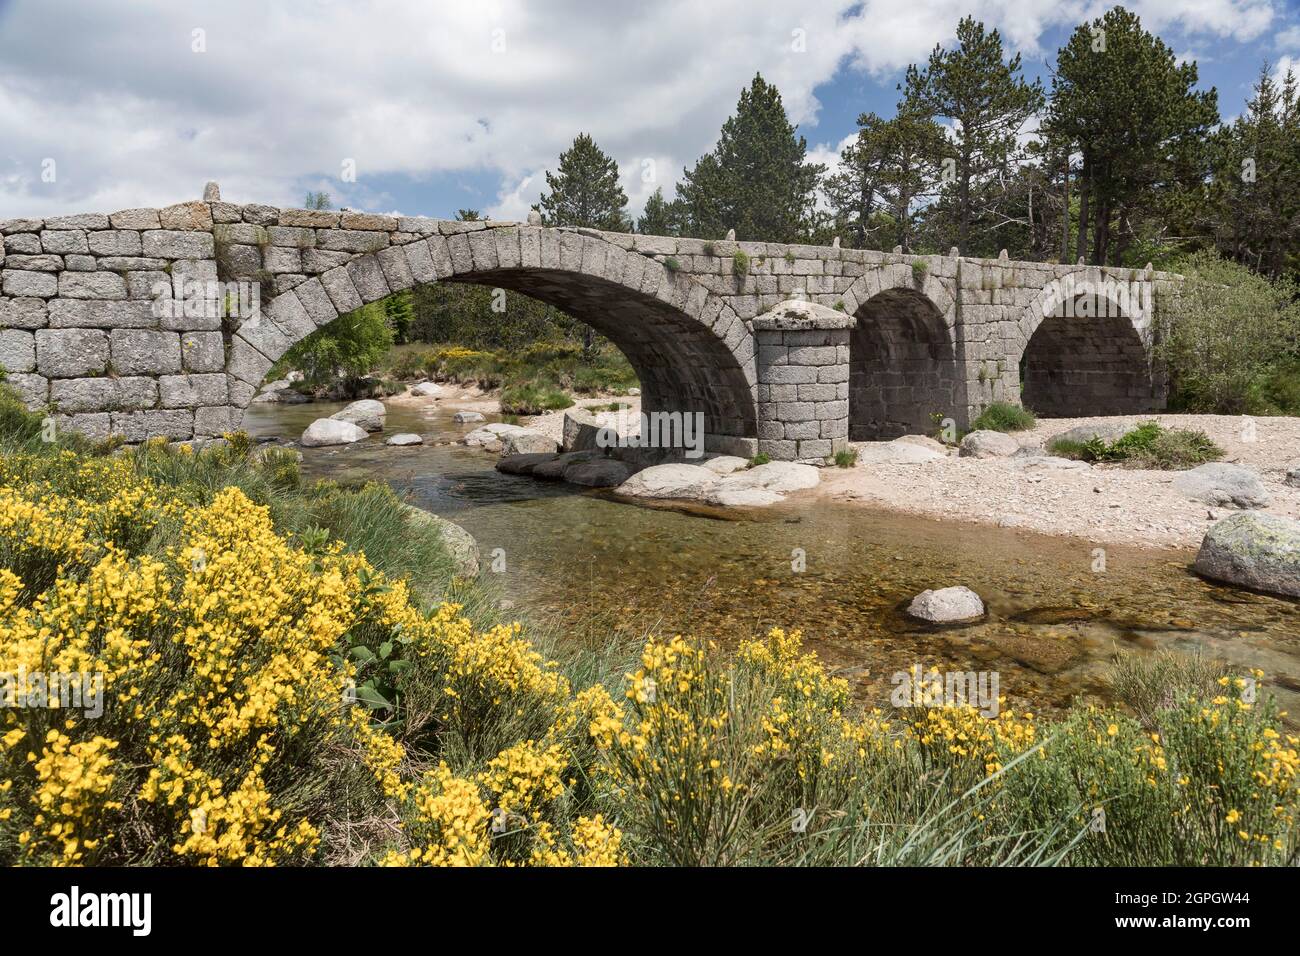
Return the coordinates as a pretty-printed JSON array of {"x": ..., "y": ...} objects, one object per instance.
[{"x": 607, "y": 570}]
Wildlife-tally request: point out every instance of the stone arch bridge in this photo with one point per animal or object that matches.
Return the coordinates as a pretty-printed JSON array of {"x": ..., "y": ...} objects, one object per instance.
[{"x": 114, "y": 322}]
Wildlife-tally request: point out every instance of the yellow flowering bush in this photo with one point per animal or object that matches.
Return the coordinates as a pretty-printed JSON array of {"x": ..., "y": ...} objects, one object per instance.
[{"x": 251, "y": 692}]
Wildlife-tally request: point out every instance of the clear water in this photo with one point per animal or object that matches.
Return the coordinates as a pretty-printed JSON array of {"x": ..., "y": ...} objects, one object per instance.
[{"x": 607, "y": 569}]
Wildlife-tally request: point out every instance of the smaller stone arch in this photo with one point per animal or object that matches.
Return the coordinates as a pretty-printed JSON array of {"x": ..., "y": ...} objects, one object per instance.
[
  {"x": 1084, "y": 347},
  {"x": 903, "y": 364}
]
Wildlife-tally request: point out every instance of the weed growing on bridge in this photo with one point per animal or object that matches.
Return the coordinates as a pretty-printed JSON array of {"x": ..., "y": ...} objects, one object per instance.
[{"x": 740, "y": 264}]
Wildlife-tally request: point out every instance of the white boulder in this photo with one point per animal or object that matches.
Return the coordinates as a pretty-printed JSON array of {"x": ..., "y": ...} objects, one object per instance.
[
  {"x": 947, "y": 605},
  {"x": 331, "y": 431},
  {"x": 366, "y": 413}
]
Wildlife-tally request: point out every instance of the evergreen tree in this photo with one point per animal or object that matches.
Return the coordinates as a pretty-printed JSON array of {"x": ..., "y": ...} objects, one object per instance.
[
  {"x": 1254, "y": 208},
  {"x": 1121, "y": 100},
  {"x": 585, "y": 190},
  {"x": 756, "y": 180},
  {"x": 661, "y": 217},
  {"x": 988, "y": 103}
]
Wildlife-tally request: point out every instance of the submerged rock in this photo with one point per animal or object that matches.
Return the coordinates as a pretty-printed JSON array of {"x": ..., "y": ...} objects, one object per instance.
[
  {"x": 330, "y": 431},
  {"x": 947, "y": 605},
  {"x": 1257, "y": 551},
  {"x": 522, "y": 464},
  {"x": 597, "y": 473},
  {"x": 1223, "y": 485},
  {"x": 731, "y": 496},
  {"x": 365, "y": 413},
  {"x": 460, "y": 544},
  {"x": 405, "y": 438},
  {"x": 464, "y": 417},
  {"x": 988, "y": 444},
  {"x": 553, "y": 468}
]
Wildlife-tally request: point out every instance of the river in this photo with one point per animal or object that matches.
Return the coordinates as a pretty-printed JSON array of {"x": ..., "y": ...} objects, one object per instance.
[{"x": 606, "y": 570}]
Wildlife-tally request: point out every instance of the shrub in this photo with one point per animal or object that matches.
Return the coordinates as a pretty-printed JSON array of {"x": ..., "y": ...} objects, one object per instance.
[
  {"x": 1004, "y": 417},
  {"x": 740, "y": 264},
  {"x": 846, "y": 458},
  {"x": 533, "y": 398},
  {"x": 920, "y": 269},
  {"x": 762, "y": 458},
  {"x": 1236, "y": 331},
  {"x": 1147, "y": 446},
  {"x": 349, "y": 347}
]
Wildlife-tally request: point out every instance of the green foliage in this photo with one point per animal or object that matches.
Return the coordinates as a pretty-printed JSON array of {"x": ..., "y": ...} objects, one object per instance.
[
  {"x": 672, "y": 265},
  {"x": 739, "y": 264},
  {"x": 533, "y": 398},
  {"x": 762, "y": 458},
  {"x": 1235, "y": 342},
  {"x": 585, "y": 190},
  {"x": 846, "y": 458},
  {"x": 1148, "y": 684},
  {"x": 757, "y": 180},
  {"x": 317, "y": 200},
  {"x": 920, "y": 269},
  {"x": 890, "y": 168},
  {"x": 1254, "y": 207},
  {"x": 987, "y": 102},
  {"x": 1004, "y": 417},
  {"x": 347, "y": 348},
  {"x": 1147, "y": 446},
  {"x": 399, "y": 313},
  {"x": 661, "y": 217},
  {"x": 1131, "y": 110}
]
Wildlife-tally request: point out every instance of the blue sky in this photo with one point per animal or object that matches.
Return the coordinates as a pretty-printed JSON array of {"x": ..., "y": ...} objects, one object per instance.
[{"x": 465, "y": 104}]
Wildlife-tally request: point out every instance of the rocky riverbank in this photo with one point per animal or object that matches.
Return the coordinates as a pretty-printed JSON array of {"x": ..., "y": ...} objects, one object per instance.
[{"x": 1102, "y": 503}]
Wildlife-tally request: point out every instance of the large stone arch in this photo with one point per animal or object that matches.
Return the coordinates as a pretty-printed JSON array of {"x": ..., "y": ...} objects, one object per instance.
[
  {"x": 686, "y": 344},
  {"x": 903, "y": 362},
  {"x": 1084, "y": 347}
]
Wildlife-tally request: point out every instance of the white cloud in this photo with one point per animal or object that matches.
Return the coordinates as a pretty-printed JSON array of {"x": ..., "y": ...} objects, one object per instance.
[{"x": 286, "y": 92}]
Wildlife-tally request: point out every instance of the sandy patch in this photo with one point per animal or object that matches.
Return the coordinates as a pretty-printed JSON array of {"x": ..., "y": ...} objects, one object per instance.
[{"x": 1103, "y": 504}]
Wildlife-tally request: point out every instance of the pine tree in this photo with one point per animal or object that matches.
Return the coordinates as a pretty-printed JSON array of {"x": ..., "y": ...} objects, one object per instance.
[
  {"x": 585, "y": 190},
  {"x": 1122, "y": 101},
  {"x": 988, "y": 103},
  {"x": 756, "y": 180},
  {"x": 661, "y": 217},
  {"x": 1254, "y": 207}
]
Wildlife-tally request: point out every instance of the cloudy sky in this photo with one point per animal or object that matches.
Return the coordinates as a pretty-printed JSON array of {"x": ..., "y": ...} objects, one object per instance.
[{"x": 444, "y": 104}]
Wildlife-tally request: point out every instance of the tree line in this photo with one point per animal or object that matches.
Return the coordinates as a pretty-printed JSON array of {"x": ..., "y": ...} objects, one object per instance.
[{"x": 1119, "y": 159}]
